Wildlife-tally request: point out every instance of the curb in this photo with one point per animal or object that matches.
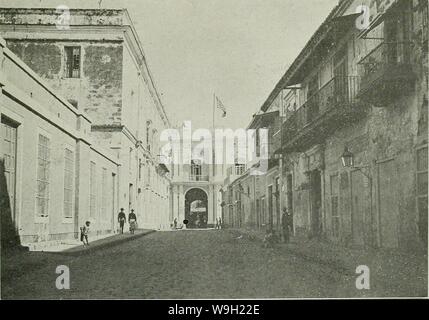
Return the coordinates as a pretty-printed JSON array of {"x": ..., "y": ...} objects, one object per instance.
[{"x": 85, "y": 250}]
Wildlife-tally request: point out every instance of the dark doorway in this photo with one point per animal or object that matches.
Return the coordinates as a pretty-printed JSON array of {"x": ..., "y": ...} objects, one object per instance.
[
  {"x": 270, "y": 206},
  {"x": 358, "y": 207},
  {"x": 8, "y": 147},
  {"x": 388, "y": 204},
  {"x": 277, "y": 202},
  {"x": 258, "y": 214},
  {"x": 289, "y": 193},
  {"x": 196, "y": 208},
  {"x": 316, "y": 202},
  {"x": 290, "y": 196}
]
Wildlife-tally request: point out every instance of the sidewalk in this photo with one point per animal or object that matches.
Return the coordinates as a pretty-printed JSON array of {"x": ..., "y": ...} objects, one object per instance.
[
  {"x": 15, "y": 263},
  {"x": 393, "y": 272},
  {"x": 105, "y": 242}
]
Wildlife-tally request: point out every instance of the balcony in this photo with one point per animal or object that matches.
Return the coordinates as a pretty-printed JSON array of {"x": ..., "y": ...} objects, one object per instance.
[
  {"x": 385, "y": 73},
  {"x": 198, "y": 177},
  {"x": 332, "y": 106},
  {"x": 272, "y": 163}
]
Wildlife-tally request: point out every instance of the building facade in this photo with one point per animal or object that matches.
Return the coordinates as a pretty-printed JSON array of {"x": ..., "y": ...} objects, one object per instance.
[
  {"x": 361, "y": 92},
  {"x": 54, "y": 176},
  {"x": 254, "y": 200},
  {"x": 99, "y": 66},
  {"x": 196, "y": 189}
]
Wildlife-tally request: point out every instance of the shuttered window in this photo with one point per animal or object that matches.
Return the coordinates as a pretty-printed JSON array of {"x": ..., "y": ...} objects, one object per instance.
[
  {"x": 43, "y": 166},
  {"x": 68, "y": 183},
  {"x": 335, "y": 217}
]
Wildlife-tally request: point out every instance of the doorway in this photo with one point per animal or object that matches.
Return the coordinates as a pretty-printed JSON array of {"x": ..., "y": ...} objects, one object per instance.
[
  {"x": 388, "y": 204},
  {"x": 358, "y": 207},
  {"x": 270, "y": 206},
  {"x": 196, "y": 208},
  {"x": 8, "y": 143},
  {"x": 316, "y": 202}
]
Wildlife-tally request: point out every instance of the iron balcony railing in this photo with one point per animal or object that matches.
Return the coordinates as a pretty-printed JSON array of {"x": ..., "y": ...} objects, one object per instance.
[
  {"x": 388, "y": 58},
  {"x": 198, "y": 177},
  {"x": 340, "y": 91}
]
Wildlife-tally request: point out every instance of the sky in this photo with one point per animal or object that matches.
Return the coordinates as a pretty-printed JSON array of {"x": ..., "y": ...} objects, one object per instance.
[{"x": 237, "y": 49}]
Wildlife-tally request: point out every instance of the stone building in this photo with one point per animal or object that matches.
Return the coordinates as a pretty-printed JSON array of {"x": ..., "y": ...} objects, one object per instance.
[
  {"x": 362, "y": 91},
  {"x": 196, "y": 189},
  {"x": 96, "y": 61},
  {"x": 53, "y": 174},
  {"x": 254, "y": 200}
]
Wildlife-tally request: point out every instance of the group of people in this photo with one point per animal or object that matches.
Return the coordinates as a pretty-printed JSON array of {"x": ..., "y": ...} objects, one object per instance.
[
  {"x": 132, "y": 220},
  {"x": 287, "y": 229},
  {"x": 122, "y": 219}
]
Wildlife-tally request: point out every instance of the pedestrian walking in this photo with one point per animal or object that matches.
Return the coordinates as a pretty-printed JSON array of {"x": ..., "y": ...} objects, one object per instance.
[
  {"x": 285, "y": 226},
  {"x": 122, "y": 219},
  {"x": 220, "y": 223},
  {"x": 132, "y": 220},
  {"x": 175, "y": 223},
  {"x": 217, "y": 223},
  {"x": 84, "y": 231}
]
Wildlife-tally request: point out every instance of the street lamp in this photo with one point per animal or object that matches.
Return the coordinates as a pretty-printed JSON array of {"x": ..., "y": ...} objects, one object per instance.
[{"x": 347, "y": 158}]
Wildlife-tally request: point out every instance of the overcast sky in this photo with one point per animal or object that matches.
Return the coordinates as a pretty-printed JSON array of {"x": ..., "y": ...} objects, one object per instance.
[{"x": 236, "y": 48}]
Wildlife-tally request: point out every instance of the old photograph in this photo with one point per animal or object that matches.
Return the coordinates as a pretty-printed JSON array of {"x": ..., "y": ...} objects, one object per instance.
[{"x": 214, "y": 150}]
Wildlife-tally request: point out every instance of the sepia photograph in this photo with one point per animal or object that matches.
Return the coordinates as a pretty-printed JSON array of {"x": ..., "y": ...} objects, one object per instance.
[{"x": 214, "y": 151}]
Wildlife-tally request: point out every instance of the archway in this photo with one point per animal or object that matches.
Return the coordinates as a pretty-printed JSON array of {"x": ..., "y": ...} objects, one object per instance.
[{"x": 196, "y": 208}]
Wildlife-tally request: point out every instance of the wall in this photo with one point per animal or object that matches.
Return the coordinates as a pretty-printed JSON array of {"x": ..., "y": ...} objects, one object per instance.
[{"x": 35, "y": 109}]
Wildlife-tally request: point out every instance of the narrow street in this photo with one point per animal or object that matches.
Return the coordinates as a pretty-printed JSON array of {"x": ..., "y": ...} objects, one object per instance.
[{"x": 185, "y": 264}]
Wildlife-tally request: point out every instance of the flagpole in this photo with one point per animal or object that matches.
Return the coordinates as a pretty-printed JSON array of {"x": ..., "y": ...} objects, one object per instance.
[
  {"x": 214, "y": 107},
  {"x": 213, "y": 132}
]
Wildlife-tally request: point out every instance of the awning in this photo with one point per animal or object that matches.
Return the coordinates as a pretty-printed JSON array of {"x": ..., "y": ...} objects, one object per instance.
[
  {"x": 163, "y": 167},
  {"x": 334, "y": 30},
  {"x": 263, "y": 119}
]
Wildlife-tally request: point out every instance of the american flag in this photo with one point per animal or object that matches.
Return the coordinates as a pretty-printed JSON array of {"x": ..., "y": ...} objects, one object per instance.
[{"x": 220, "y": 106}]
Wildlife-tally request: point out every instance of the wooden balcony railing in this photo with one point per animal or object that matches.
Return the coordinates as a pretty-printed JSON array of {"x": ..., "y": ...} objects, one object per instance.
[
  {"x": 198, "y": 177},
  {"x": 337, "y": 95},
  {"x": 388, "y": 63}
]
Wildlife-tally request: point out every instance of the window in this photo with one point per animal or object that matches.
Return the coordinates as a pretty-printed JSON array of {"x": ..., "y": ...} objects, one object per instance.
[
  {"x": 72, "y": 55},
  {"x": 92, "y": 190},
  {"x": 104, "y": 198},
  {"x": 195, "y": 170},
  {"x": 334, "y": 207},
  {"x": 68, "y": 183},
  {"x": 239, "y": 169},
  {"x": 42, "y": 194},
  {"x": 422, "y": 192}
]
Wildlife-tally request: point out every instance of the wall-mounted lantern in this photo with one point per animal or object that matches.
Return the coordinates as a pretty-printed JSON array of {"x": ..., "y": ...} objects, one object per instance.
[{"x": 347, "y": 158}]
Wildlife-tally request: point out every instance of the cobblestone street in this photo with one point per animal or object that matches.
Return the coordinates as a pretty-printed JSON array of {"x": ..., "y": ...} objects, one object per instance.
[{"x": 185, "y": 264}]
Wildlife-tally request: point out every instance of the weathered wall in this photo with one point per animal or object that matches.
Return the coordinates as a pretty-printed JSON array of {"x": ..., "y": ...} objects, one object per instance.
[
  {"x": 98, "y": 90},
  {"x": 36, "y": 109}
]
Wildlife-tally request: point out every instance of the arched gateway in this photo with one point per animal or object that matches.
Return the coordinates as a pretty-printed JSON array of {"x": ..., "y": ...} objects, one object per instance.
[{"x": 196, "y": 208}]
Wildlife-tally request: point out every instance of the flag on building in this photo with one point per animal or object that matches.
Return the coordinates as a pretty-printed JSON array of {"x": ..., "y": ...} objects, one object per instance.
[{"x": 220, "y": 106}]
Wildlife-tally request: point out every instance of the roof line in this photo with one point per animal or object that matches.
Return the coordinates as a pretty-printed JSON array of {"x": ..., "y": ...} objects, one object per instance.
[{"x": 290, "y": 71}]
